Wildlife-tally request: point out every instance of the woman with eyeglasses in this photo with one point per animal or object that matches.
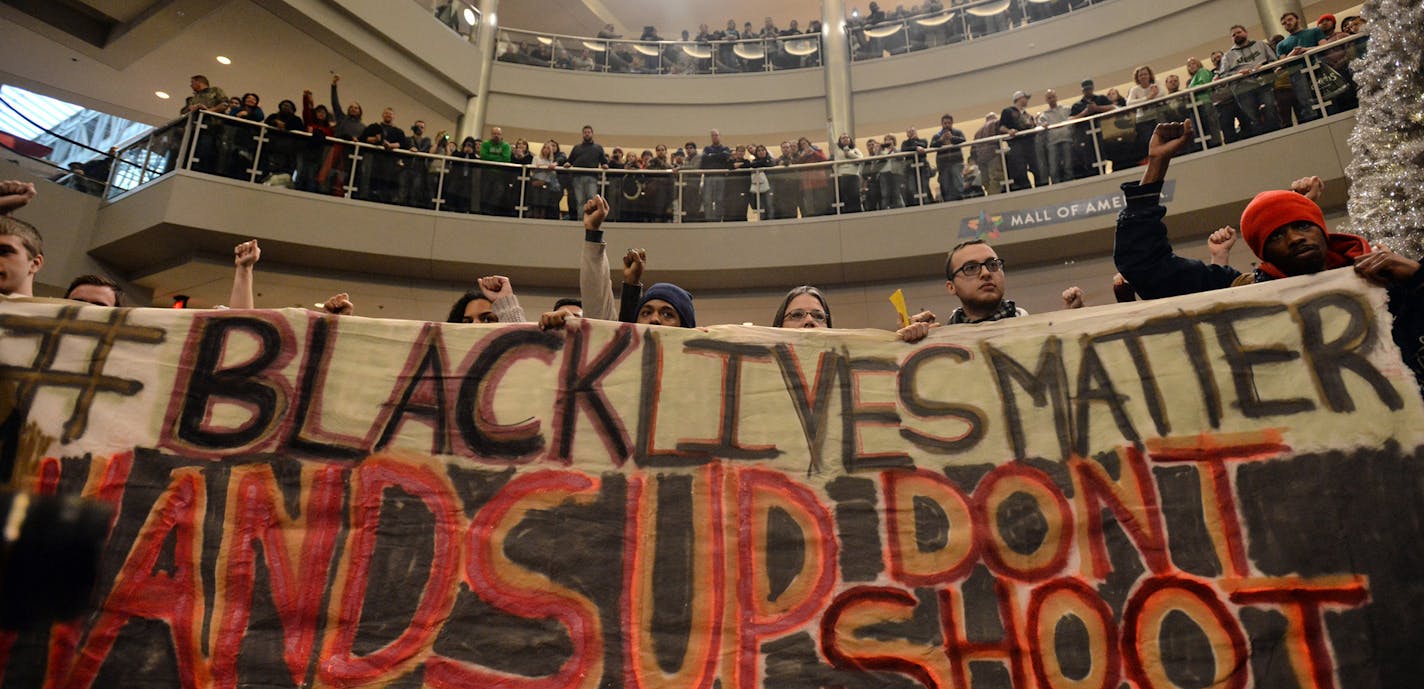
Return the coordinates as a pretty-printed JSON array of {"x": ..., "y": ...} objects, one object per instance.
[
  {"x": 806, "y": 307},
  {"x": 803, "y": 307}
]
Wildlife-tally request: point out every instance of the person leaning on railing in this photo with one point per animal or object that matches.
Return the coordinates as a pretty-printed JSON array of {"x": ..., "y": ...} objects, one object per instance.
[
  {"x": 1058, "y": 140},
  {"x": 986, "y": 155},
  {"x": 1252, "y": 103},
  {"x": 760, "y": 183},
  {"x": 815, "y": 182},
  {"x": 848, "y": 174},
  {"x": 1018, "y": 125},
  {"x": 870, "y": 174},
  {"x": 891, "y": 177},
  {"x": 917, "y": 186},
  {"x": 494, "y": 190},
  {"x": 281, "y": 156},
  {"x": 319, "y": 157},
  {"x": 462, "y": 181},
  {"x": 206, "y": 97},
  {"x": 1206, "y": 121}
]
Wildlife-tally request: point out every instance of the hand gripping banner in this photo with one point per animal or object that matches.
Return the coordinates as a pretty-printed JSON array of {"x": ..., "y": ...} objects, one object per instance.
[{"x": 1220, "y": 490}]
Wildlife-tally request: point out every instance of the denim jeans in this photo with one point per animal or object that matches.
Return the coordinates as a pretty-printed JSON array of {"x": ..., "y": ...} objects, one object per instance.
[
  {"x": 1251, "y": 99},
  {"x": 892, "y": 190},
  {"x": 585, "y": 188},
  {"x": 951, "y": 180},
  {"x": 713, "y": 204},
  {"x": 1060, "y": 161}
]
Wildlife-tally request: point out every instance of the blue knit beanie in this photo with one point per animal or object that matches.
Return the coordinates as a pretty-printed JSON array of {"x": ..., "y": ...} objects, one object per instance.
[{"x": 678, "y": 297}]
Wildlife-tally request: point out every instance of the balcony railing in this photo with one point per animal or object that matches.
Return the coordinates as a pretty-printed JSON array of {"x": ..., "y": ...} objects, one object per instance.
[
  {"x": 869, "y": 39},
  {"x": 1312, "y": 85}
]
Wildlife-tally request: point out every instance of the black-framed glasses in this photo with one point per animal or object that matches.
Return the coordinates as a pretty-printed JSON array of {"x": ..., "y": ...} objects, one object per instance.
[
  {"x": 972, "y": 268},
  {"x": 802, "y": 314}
]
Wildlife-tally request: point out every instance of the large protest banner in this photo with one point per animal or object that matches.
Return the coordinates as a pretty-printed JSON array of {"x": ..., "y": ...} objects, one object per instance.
[{"x": 1221, "y": 490}]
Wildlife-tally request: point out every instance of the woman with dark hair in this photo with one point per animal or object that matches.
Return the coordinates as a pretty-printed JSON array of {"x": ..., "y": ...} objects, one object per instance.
[
  {"x": 519, "y": 154},
  {"x": 566, "y": 182},
  {"x": 236, "y": 144},
  {"x": 806, "y": 307},
  {"x": 760, "y": 183},
  {"x": 247, "y": 108},
  {"x": 815, "y": 182},
  {"x": 347, "y": 125},
  {"x": 803, "y": 307},
  {"x": 491, "y": 300},
  {"x": 281, "y": 156},
  {"x": 318, "y": 159},
  {"x": 848, "y": 174},
  {"x": 463, "y": 179}
]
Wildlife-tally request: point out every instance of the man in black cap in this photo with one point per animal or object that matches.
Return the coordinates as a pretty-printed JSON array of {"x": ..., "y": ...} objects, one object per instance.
[
  {"x": 1014, "y": 121},
  {"x": 1090, "y": 104}
]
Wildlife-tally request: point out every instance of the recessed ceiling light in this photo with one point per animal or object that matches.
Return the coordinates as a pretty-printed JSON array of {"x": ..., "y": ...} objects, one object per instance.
[
  {"x": 222, "y": 59},
  {"x": 470, "y": 17},
  {"x": 161, "y": 94}
]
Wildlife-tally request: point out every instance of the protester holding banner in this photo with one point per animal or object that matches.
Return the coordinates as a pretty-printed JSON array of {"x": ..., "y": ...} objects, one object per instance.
[
  {"x": 667, "y": 304},
  {"x": 1285, "y": 229},
  {"x": 21, "y": 248},
  {"x": 803, "y": 307},
  {"x": 491, "y": 301},
  {"x": 975, "y": 274}
]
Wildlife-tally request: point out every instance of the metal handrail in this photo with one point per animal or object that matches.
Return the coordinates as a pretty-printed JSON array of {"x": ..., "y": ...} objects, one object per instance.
[
  {"x": 802, "y": 36},
  {"x": 1183, "y": 94},
  {"x": 1190, "y": 100}
]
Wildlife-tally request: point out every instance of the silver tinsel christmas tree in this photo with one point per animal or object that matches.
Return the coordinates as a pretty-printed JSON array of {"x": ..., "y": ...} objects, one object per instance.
[{"x": 1387, "y": 173}]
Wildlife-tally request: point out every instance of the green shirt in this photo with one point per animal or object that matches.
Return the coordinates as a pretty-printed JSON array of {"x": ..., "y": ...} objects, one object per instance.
[
  {"x": 497, "y": 152},
  {"x": 1203, "y": 76}
]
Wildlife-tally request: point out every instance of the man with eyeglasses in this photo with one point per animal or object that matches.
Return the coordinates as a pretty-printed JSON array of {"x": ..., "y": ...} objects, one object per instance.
[{"x": 975, "y": 274}]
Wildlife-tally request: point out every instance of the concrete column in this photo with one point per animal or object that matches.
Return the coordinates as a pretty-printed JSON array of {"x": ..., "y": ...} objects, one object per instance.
[
  {"x": 1271, "y": 11},
  {"x": 835, "y": 65},
  {"x": 473, "y": 122}
]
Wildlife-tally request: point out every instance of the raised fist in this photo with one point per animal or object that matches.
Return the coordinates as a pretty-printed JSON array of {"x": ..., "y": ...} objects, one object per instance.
[
  {"x": 339, "y": 305},
  {"x": 1169, "y": 138},
  {"x": 245, "y": 255},
  {"x": 15, "y": 194},
  {"x": 495, "y": 286},
  {"x": 1310, "y": 187},
  {"x": 594, "y": 212},
  {"x": 633, "y": 263},
  {"x": 1219, "y": 245}
]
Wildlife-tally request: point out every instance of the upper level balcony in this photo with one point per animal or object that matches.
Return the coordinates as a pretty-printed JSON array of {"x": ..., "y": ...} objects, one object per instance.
[
  {"x": 180, "y": 198},
  {"x": 766, "y": 49}
]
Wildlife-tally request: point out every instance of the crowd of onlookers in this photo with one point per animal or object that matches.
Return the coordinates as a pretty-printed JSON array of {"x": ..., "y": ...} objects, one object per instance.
[
  {"x": 1284, "y": 229},
  {"x": 716, "y": 50},
  {"x": 1010, "y": 150}
]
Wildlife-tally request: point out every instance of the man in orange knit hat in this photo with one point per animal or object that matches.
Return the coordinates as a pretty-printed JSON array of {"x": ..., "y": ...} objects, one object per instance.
[{"x": 1285, "y": 229}]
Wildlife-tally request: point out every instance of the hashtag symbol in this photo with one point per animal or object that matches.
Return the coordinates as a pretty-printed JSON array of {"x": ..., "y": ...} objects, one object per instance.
[{"x": 28, "y": 381}]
